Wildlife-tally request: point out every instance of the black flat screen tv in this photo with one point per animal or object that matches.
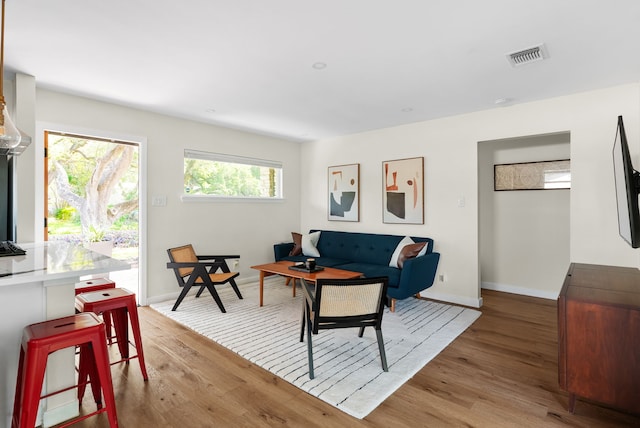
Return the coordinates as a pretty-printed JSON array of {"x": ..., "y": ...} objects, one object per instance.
[{"x": 627, "y": 182}]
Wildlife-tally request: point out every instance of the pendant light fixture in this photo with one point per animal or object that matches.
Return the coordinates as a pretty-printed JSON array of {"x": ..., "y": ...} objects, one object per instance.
[{"x": 9, "y": 134}]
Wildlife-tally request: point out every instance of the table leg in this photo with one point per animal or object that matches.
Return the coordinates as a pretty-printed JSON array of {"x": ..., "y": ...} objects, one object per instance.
[{"x": 261, "y": 286}]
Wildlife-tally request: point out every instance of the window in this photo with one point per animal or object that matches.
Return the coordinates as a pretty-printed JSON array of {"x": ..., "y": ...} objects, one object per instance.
[
  {"x": 220, "y": 175},
  {"x": 533, "y": 175},
  {"x": 560, "y": 179}
]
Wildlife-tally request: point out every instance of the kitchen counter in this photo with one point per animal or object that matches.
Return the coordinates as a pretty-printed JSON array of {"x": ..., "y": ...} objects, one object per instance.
[
  {"x": 54, "y": 260},
  {"x": 36, "y": 287}
]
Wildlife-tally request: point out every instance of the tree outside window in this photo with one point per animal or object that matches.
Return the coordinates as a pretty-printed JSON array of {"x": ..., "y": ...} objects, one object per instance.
[{"x": 212, "y": 174}]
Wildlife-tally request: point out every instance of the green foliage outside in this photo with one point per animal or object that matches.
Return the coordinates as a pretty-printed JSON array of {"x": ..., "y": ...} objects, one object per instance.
[
  {"x": 64, "y": 227},
  {"x": 204, "y": 177},
  {"x": 78, "y": 156},
  {"x": 72, "y": 226},
  {"x": 79, "y": 159},
  {"x": 65, "y": 213}
]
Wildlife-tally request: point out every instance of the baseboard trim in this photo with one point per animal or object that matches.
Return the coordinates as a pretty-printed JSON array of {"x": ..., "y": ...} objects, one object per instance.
[
  {"x": 452, "y": 298},
  {"x": 513, "y": 289}
]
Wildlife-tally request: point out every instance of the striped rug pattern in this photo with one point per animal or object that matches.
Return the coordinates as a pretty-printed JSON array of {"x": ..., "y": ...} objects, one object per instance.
[{"x": 348, "y": 371}]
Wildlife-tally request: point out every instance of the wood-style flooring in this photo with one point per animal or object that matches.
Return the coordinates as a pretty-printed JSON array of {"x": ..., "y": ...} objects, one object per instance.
[{"x": 501, "y": 372}]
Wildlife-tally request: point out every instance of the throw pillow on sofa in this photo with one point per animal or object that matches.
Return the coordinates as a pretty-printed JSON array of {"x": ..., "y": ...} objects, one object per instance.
[
  {"x": 407, "y": 249},
  {"x": 305, "y": 244},
  {"x": 309, "y": 243},
  {"x": 297, "y": 244},
  {"x": 411, "y": 251},
  {"x": 396, "y": 253}
]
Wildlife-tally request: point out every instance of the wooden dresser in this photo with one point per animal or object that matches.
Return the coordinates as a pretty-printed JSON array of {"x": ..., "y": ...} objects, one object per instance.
[{"x": 599, "y": 335}]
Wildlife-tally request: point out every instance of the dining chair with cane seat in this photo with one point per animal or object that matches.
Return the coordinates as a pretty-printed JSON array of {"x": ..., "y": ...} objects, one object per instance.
[
  {"x": 344, "y": 303},
  {"x": 201, "y": 270}
]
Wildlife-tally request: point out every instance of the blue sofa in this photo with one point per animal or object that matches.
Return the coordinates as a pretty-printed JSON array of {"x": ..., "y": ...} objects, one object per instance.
[{"x": 370, "y": 254}]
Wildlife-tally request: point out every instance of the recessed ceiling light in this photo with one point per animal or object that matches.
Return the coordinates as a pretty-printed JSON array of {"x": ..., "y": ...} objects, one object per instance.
[
  {"x": 501, "y": 101},
  {"x": 210, "y": 110},
  {"x": 407, "y": 109},
  {"x": 319, "y": 65}
]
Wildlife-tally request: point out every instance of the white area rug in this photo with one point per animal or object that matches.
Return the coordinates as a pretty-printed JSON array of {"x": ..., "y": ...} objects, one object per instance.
[{"x": 348, "y": 371}]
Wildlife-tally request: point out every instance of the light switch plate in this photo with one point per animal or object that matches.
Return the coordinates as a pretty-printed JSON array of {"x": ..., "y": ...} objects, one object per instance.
[{"x": 159, "y": 200}]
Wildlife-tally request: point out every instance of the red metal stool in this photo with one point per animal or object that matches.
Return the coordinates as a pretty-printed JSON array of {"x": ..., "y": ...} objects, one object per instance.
[
  {"x": 41, "y": 339},
  {"x": 119, "y": 302},
  {"x": 96, "y": 285}
]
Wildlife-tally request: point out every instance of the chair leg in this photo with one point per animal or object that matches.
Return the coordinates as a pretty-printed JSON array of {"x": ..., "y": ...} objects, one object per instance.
[
  {"x": 101, "y": 360},
  {"x": 106, "y": 317},
  {"x": 199, "y": 293},
  {"x": 302, "y": 321},
  {"x": 37, "y": 363},
  {"x": 83, "y": 373},
  {"x": 121, "y": 324},
  {"x": 361, "y": 331},
  {"x": 137, "y": 337},
  {"x": 235, "y": 288},
  {"x": 181, "y": 297},
  {"x": 87, "y": 372},
  {"x": 309, "y": 344},
  {"x": 383, "y": 355},
  {"x": 215, "y": 296},
  {"x": 18, "y": 400},
  {"x": 393, "y": 305},
  {"x": 225, "y": 268}
]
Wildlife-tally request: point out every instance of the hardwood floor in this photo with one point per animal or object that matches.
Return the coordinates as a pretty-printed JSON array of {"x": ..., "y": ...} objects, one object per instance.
[{"x": 501, "y": 372}]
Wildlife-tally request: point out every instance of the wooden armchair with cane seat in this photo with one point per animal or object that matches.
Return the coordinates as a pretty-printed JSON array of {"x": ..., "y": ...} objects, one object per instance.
[
  {"x": 344, "y": 303},
  {"x": 200, "y": 270}
]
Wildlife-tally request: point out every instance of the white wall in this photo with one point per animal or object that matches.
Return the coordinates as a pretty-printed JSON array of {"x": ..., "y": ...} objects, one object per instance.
[
  {"x": 520, "y": 231},
  {"x": 25, "y": 91},
  {"x": 246, "y": 228},
  {"x": 449, "y": 147}
]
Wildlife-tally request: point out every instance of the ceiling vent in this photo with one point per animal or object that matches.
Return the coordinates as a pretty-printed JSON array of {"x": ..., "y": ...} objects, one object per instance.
[{"x": 527, "y": 56}]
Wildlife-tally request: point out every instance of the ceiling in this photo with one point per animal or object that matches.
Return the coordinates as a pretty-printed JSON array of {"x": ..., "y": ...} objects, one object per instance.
[{"x": 308, "y": 70}]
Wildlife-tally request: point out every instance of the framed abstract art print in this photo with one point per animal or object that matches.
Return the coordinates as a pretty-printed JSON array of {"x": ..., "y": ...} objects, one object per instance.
[
  {"x": 403, "y": 191},
  {"x": 344, "y": 192}
]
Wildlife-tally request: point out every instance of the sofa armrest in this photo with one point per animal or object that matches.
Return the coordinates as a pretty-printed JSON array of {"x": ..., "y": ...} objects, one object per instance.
[
  {"x": 417, "y": 274},
  {"x": 282, "y": 250}
]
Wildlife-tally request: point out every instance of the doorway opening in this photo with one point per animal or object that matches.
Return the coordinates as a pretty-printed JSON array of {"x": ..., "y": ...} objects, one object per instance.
[
  {"x": 91, "y": 197},
  {"x": 523, "y": 235}
]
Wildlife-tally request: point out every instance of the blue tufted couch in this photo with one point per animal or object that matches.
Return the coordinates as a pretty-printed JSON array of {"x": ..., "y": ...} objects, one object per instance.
[{"x": 370, "y": 254}]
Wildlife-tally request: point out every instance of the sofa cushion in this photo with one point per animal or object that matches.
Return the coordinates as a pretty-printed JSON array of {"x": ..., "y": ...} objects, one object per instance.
[
  {"x": 358, "y": 247},
  {"x": 371, "y": 270}
]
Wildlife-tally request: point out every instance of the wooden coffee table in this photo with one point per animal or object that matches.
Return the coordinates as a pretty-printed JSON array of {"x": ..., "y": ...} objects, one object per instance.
[{"x": 282, "y": 268}]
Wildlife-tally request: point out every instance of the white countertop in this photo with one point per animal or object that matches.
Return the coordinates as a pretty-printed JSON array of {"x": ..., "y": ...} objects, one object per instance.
[{"x": 46, "y": 261}]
